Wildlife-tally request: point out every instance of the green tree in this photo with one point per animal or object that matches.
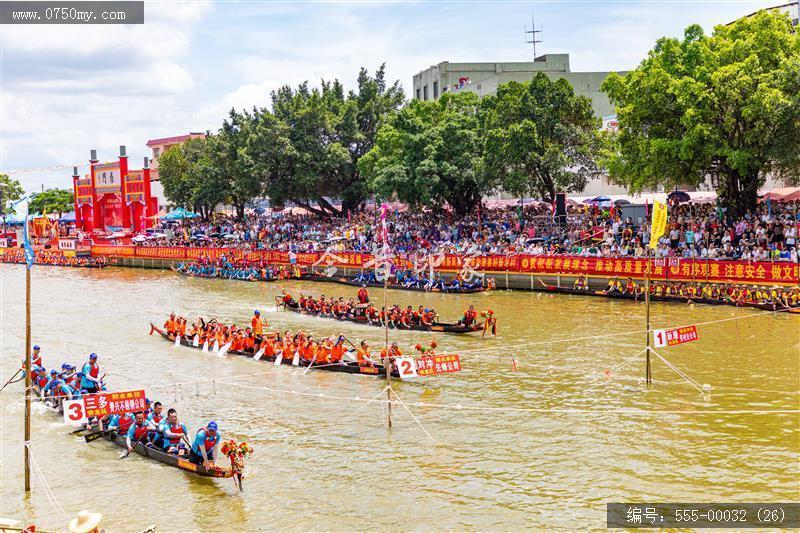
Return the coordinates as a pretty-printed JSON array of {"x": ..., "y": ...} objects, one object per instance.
[
  {"x": 431, "y": 154},
  {"x": 724, "y": 108},
  {"x": 320, "y": 135},
  {"x": 52, "y": 201},
  {"x": 540, "y": 137},
  {"x": 191, "y": 178},
  {"x": 232, "y": 167},
  {"x": 10, "y": 191}
]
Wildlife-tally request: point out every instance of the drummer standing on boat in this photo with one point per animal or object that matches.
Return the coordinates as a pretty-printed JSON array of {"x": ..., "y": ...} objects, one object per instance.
[{"x": 90, "y": 382}]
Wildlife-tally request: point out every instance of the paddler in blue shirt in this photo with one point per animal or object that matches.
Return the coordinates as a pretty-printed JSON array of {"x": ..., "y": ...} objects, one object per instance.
[
  {"x": 56, "y": 386},
  {"x": 172, "y": 432},
  {"x": 90, "y": 381},
  {"x": 138, "y": 432},
  {"x": 205, "y": 445}
]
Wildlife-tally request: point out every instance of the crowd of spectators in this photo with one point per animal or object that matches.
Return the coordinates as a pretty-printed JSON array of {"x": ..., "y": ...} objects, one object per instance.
[{"x": 694, "y": 231}]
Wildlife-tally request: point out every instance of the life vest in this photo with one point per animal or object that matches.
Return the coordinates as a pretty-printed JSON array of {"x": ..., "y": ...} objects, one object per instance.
[
  {"x": 363, "y": 297},
  {"x": 363, "y": 357},
  {"x": 93, "y": 370},
  {"x": 208, "y": 442},
  {"x": 337, "y": 352},
  {"x": 140, "y": 431},
  {"x": 125, "y": 422},
  {"x": 175, "y": 429}
]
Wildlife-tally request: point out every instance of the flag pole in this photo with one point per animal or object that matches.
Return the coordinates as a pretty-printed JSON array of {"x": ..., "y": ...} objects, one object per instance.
[
  {"x": 647, "y": 372},
  {"x": 27, "y": 371},
  {"x": 387, "y": 365}
]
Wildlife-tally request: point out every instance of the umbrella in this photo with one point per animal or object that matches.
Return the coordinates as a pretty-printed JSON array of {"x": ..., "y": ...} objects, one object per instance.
[
  {"x": 139, "y": 238},
  {"x": 678, "y": 197},
  {"x": 180, "y": 214},
  {"x": 622, "y": 201},
  {"x": 602, "y": 201}
]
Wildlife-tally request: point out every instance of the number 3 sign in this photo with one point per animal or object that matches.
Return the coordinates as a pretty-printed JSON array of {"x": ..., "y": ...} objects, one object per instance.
[
  {"x": 406, "y": 367},
  {"x": 74, "y": 412}
]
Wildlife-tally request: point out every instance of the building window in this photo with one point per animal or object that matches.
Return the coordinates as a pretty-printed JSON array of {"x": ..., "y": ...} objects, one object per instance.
[
  {"x": 156, "y": 151},
  {"x": 435, "y": 90},
  {"x": 418, "y": 92},
  {"x": 424, "y": 92}
]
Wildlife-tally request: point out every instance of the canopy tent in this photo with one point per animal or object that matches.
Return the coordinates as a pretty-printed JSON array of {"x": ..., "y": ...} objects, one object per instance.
[
  {"x": 784, "y": 194},
  {"x": 67, "y": 217},
  {"x": 180, "y": 214}
]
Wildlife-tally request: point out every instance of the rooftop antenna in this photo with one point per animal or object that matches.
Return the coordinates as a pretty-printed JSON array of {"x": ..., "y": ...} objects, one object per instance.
[{"x": 535, "y": 35}]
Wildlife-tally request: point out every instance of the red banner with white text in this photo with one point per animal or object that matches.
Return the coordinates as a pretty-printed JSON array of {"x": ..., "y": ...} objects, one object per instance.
[{"x": 678, "y": 269}]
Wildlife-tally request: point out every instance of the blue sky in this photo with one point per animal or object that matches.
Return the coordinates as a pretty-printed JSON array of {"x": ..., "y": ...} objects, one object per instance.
[{"x": 67, "y": 89}]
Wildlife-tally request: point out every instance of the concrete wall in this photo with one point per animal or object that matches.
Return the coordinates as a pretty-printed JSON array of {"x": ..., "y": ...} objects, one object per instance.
[{"x": 485, "y": 78}]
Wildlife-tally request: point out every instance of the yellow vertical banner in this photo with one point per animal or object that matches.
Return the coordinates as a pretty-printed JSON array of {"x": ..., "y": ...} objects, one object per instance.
[{"x": 659, "y": 223}]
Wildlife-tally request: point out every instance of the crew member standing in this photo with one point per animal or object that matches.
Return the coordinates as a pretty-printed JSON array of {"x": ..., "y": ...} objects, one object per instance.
[
  {"x": 90, "y": 382},
  {"x": 363, "y": 295}
]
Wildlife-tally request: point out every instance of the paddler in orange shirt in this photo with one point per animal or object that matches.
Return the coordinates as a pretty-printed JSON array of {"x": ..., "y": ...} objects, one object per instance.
[
  {"x": 257, "y": 324},
  {"x": 394, "y": 351},
  {"x": 363, "y": 355},
  {"x": 169, "y": 325},
  {"x": 337, "y": 350}
]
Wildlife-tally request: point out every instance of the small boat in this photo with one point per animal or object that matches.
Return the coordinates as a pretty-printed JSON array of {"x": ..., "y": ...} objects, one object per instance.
[
  {"x": 673, "y": 299},
  {"x": 154, "y": 453},
  {"x": 167, "y": 458},
  {"x": 346, "y": 367},
  {"x": 207, "y": 276},
  {"x": 395, "y": 286},
  {"x": 437, "y": 327}
]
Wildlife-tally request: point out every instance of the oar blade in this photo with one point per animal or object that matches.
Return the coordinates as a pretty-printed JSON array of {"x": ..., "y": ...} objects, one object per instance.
[
  {"x": 258, "y": 354},
  {"x": 196, "y": 341}
]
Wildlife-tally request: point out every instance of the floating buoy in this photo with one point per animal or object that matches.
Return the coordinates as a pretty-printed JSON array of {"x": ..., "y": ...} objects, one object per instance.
[{"x": 607, "y": 372}]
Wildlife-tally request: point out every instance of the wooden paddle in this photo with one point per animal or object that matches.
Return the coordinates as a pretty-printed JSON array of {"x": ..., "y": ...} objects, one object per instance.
[
  {"x": 128, "y": 452},
  {"x": 96, "y": 435},
  {"x": 11, "y": 380}
]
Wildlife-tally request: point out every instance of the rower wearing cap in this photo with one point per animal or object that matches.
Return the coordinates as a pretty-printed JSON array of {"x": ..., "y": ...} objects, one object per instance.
[
  {"x": 36, "y": 356},
  {"x": 56, "y": 387},
  {"x": 90, "y": 382},
  {"x": 205, "y": 445},
  {"x": 257, "y": 324}
]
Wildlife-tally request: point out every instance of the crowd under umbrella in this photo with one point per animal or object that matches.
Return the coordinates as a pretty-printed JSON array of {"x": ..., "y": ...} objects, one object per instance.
[
  {"x": 678, "y": 197},
  {"x": 600, "y": 201},
  {"x": 180, "y": 214}
]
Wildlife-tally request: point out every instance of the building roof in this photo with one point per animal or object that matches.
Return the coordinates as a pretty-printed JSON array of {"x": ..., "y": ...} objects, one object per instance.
[{"x": 170, "y": 140}]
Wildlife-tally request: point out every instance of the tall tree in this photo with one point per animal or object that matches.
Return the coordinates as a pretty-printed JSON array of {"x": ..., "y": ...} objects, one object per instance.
[
  {"x": 430, "y": 154},
  {"x": 10, "y": 191},
  {"x": 322, "y": 134},
  {"x": 191, "y": 177},
  {"x": 724, "y": 108},
  {"x": 540, "y": 137},
  {"x": 52, "y": 201},
  {"x": 232, "y": 164}
]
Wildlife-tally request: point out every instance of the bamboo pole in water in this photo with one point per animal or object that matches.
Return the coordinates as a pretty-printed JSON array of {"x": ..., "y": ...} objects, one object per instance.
[{"x": 27, "y": 377}]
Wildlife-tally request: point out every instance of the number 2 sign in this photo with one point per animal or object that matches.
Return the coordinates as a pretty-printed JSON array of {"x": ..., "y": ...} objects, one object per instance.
[
  {"x": 406, "y": 367},
  {"x": 74, "y": 412}
]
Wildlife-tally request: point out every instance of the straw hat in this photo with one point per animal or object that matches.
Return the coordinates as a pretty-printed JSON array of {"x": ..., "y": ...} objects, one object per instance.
[{"x": 85, "y": 522}]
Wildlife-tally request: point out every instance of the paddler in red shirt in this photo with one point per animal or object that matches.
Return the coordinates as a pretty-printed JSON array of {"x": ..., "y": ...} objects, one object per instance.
[
  {"x": 363, "y": 295},
  {"x": 469, "y": 316}
]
